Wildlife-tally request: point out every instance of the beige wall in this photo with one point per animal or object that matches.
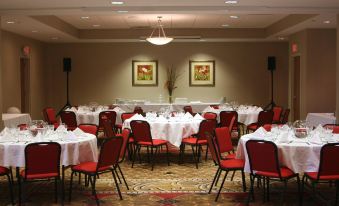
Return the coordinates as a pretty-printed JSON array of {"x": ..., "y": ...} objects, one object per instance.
[
  {"x": 317, "y": 51},
  {"x": 10, "y": 75},
  {"x": 102, "y": 71},
  {"x": 337, "y": 72}
]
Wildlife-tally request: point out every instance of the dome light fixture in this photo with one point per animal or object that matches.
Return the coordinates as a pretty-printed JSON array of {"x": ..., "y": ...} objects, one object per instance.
[{"x": 161, "y": 38}]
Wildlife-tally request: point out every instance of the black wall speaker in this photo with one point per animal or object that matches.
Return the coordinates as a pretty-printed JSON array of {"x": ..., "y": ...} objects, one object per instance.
[
  {"x": 271, "y": 63},
  {"x": 67, "y": 64}
]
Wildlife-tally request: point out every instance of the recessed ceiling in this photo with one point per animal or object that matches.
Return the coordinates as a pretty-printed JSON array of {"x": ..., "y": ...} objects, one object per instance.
[{"x": 210, "y": 20}]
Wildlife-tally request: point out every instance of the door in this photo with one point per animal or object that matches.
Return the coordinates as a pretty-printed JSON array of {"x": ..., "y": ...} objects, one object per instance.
[
  {"x": 24, "y": 80},
  {"x": 296, "y": 88}
]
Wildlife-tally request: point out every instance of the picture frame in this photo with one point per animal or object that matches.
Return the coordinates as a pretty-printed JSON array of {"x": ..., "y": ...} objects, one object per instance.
[
  {"x": 202, "y": 73},
  {"x": 144, "y": 73}
]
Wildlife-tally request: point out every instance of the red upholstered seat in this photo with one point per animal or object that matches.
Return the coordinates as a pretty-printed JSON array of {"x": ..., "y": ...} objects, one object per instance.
[
  {"x": 39, "y": 175},
  {"x": 314, "y": 176},
  {"x": 284, "y": 171},
  {"x": 89, "y": 128},
  {"x": 156, "y": 142},
  {"x": 229, "y": 156},
  {"x": 3, "y": 170},
  {"x": 232, "y": 164},
  {"x": 89, "y": 167},
  {"x": 193, "y": 140}
]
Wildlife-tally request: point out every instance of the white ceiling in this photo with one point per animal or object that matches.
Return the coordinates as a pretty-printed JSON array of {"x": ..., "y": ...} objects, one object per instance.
[{"x": 177, "y": 14}]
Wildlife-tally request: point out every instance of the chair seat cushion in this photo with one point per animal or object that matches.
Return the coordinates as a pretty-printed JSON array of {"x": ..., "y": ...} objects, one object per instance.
[
  {"x": 39, "y": 176},
  {"x": 88, "y": 167},
  {"x": 228, "y": 156},
  {"x": 192, "y": 140},
  {"x": 4, "y": 170},
  {"x": 156, "y": 142},
  {"x": 285, "y": 173},
  {"x": 252, "y": 126},
  {"x": 314, "y": 176},
  {"x": 232, "y": 164},
  {"x": 131, "y": 140}
]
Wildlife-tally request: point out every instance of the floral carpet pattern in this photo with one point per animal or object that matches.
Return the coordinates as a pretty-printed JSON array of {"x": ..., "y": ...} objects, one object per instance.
[{"x": 174, "y": 185}]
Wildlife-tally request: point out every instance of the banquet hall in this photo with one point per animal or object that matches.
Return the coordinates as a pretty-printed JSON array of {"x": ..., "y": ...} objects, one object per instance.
[{"x": 168, "y": 87}]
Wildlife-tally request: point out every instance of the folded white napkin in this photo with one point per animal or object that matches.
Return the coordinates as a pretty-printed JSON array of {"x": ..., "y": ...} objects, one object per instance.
[
  {"x": 161, "y": 119},
  {"x": 198, "y": 117},
  {"x": 70, "y": 137},
  {"x": 5, "y": 131},
  {"x": 208, "y": 109},
  {"x": 118, "y": 109},
  {"x": 78, "y": 132},
  {"x": 187, "y": 116},
  {"x": 137, "y": 117},
  {"x": 61, "y": 128},
  {"x": 284, "y": 137},
  {"x": 315, "y": 139},
  {"x": 259, "y": 134},
  {"x": 319, "y": 129}
]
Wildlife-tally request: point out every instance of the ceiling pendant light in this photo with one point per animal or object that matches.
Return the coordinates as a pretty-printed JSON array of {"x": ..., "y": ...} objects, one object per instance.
[{"x": 161, "y": 39}]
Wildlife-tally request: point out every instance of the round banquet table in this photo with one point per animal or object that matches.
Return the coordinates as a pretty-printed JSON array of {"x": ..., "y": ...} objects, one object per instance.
[
  {"x": 73, "y": 151},
  {"x": 172, "y": 130},
  {"x": 300, "y": 155}
]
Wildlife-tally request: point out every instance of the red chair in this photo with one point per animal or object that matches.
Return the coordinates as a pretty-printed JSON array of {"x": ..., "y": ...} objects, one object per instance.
[
  {"x": 334, "y": 127},
  {"x": 104, "y": 116},
  {"x": 138, "y": 110},
  {"x": 277, "y": 112},
  {"x": 107, "y": 161},
  {"x": 49, "y": 116},
  {"x": 267, "y": 127},
  {"x": 124, "y": 116},
  {"x": 89, "y": 128},
  {"x": 328, "y": 169},
  {"x": 198, "y": 140},
  {"x": 284, "y": 116},
  {"x": 225, "y": 147},
  {"x": 210, "y": 115},
  {"x": 4, "y": 171},
  {"x": 142, "y": 138},
  {"x": 264, "y": 164},
  {"x": 69, "y": 118},
  {"x": 42, "y": 162},
  {"x": 264, "y": 117},
  {"x": 125, "y": 134},
  {"x": 226, "y": 118},
  {"x": 224, "y": 165},
  {"x": 189, "y": 109}
]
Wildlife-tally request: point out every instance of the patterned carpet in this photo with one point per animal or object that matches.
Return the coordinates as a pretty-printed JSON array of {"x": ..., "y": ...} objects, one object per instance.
[{"x": 177, "y": 184}]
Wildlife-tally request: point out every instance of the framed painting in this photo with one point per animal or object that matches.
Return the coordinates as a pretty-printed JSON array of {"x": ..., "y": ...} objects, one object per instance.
[
  {"x": 202, "y": 73},
  {"x": 144, "y": 73}
]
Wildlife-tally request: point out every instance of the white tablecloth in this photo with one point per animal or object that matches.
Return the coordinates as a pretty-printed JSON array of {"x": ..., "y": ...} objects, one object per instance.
[
  {"x": 13, "y": 120},
  {"x": 300, "y": 155},
  {"x": 171, "y": 130},
  {"x": 314, "y": 119},
  {"x": 73, "y": 152},
  {"x": 246, "y": 114},
  {"x": 148, "y": 107},
  {"x": 89, "y": 117}
]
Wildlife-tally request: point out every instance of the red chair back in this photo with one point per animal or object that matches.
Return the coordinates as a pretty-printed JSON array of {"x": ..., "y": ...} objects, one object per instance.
[
  {"x": 223, "y": 139},
  {"x": 277, "y": 113},
  {"x": 125, "y": 137},
  {"x": 265, "y": 117},
  {"x": 212, "y": 145},
  {"x": 138, "y": 110},
  {"x": 206, "y": 127},
  {"x": 69, "y": 118},
  {"x": 334, "y": 127},
  {"x": 284, "y": 118},
  {"x": 107, "y": 115},
  {"x": 329, "y": 161},
  {"x": 49, "y": 115},
  {"x": 215, "y": 106},
  {"x": 126, "y": 115},
  {"x": 42, "y": 158},
  {"x": 226, "y": 118},
  {"x": 267, "y": 127},
  {"x": 108, "y": 128},
  {"x": 263, "y": 156},
  {"x": 89, "y": 128},
  {"x": 141, "y": 131},
  {"x": 110, "y": 152},
  {"x": 210, "y": 115},
  {"x": 188, "y": 109}
]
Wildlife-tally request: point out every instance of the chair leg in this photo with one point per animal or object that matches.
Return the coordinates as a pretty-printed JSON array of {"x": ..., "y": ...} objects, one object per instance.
[
  {"x": 135, "y": 154},
  {"x": 117, "y": 185},
  {"x": 243, "y": 180},
  {"x": 194, "y": 157},
  {"x": 92, "y": 181},
  {"x": 283, "y": 192},
  {"x": 56, "y": 189},
  {"x": 148, "y": 159},
  {"x": 20, "y": 189},
  {"x": 214, "y": 179},
  {"x": 70, "y": 187},
  {"x": 233, "y": 175},
  {"x": 10, "y": 187},
  {"x": 336, "y": 192},
  {"x": 123, "y": 177},
  {"x": 268, "y": 189},
  {"x": 167, "y": 155},
  {"x": 217, "y": 180},
  {"x": 206, "y": 153},
  {"x": 152, "y": 157},
  {"x": 250, "y": 192},
  {"x": 221, "y": 186}
]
